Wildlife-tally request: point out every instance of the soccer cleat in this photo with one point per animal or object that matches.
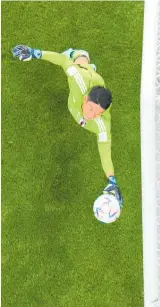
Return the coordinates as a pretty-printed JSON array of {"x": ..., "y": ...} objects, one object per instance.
[
  {"x": 68, "y": 53},
  {"x": 74, "y": 53},
  {"x": 77, "y": 53},
  {"x": 94, "y": 67}
]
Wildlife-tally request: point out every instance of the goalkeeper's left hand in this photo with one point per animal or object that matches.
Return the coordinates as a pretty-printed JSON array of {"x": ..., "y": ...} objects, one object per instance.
[
  {"x": 113, "y": 188},
  {"x": 25, "y": 53}
]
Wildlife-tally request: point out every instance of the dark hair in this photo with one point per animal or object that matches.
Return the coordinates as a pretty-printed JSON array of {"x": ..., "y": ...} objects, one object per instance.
[{"x": 101, "y": 96}]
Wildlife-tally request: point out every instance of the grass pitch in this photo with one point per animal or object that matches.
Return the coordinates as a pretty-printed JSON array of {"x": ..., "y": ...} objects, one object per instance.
[{"x": 54, "y": 252}]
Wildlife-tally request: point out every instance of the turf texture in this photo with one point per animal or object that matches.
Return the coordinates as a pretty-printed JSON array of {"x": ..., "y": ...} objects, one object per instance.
[{"x": 54, "y": 252}]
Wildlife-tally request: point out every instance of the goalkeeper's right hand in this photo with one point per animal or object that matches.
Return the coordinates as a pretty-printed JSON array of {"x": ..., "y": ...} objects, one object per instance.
[
  {"x": 112, "y": 188},
  {"x": 25, "y": 53}
]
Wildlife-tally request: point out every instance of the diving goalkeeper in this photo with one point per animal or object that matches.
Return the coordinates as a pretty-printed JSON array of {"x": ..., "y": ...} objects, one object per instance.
[{"x": 89, "y": 100}]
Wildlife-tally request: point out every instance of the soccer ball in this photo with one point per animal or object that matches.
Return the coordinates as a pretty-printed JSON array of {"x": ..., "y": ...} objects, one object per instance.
[{"x": 106, "y": 208}]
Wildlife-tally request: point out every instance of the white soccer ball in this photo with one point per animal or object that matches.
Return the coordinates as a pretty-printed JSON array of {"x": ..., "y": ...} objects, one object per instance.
[{"x": 106, "y": 208}]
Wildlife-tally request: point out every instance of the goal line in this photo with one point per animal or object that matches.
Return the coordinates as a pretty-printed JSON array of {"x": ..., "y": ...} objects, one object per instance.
[{"x": 150, "y": 152}]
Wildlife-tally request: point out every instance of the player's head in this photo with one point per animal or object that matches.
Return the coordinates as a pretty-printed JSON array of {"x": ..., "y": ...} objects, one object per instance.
[{"x": 96, "y": 102}]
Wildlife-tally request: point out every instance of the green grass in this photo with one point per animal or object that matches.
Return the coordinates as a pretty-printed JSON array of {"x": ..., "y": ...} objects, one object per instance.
[{"x": 54, "y": 252}]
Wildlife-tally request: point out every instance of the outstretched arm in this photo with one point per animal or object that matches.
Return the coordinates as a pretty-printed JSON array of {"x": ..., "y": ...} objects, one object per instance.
[
  {"x": 112, "y": 187},
  {"x": 25, "y": 53},
  {"x": 56, "y": 58},
  {"x": 105, "y": 156},
  {"x": 102, "y": 129}
]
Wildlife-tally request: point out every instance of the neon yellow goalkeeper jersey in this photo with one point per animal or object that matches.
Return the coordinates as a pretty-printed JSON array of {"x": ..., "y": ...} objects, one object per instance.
[{"x": 81, "y": 79}]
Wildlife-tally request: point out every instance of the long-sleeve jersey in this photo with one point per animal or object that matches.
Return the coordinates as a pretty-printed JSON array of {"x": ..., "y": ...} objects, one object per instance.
[{"x": 81, "y": 79}]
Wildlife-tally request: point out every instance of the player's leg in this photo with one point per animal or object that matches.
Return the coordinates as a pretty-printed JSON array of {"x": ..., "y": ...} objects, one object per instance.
[{"x": 75, "y": 53}]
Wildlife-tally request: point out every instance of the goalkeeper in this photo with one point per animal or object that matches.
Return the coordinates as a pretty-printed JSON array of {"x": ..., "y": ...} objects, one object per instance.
[{"x": 89, "y": 100}]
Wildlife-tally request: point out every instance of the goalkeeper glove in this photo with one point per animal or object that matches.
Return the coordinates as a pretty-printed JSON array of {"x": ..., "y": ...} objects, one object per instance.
[
  {"x": 25, "y": 53},
  {"x": 113, "y": 188}
]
